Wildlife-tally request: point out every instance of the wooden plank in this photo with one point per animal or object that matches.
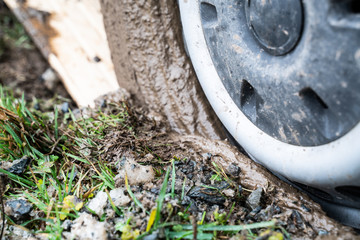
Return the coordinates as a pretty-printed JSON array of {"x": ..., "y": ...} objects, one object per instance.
[{"x": 71, "y": 35}]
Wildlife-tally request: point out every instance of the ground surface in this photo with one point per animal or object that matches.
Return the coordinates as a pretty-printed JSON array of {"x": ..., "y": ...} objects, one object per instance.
[
  {"x": 21, "y": 64},
  {"x": 161, "y": 184}
]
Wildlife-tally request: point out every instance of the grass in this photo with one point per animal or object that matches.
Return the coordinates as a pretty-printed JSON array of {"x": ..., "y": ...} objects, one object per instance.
[
  {"x": 57, "y": 152},
  {"x": 67, "y": 168}
]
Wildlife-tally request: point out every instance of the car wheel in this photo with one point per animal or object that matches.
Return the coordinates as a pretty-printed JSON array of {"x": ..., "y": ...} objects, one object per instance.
[
  {"x": 284, "y": 79},
  {"x": 282, "y": 76}
]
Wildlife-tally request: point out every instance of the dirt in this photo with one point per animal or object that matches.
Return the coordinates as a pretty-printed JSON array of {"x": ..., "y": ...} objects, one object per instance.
[
  {"x": 17, "y": 73},
  {"x": 21, "y": 67},
  {"x": 196, "y": 161}
]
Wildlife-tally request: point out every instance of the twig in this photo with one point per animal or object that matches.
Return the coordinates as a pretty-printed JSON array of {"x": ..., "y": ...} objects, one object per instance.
[
  {"x": 194, "y": 225},
  {"x": 3, "y": 179}
]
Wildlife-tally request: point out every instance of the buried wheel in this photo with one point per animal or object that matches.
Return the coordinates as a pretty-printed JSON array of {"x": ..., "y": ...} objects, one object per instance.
[
  {"x": 284, "y": 79},
  {"x": 282, "y": 76}
]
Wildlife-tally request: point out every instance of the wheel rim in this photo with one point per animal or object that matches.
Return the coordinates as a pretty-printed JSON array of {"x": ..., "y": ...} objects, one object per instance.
[
  {"x": 326, "y": 165},
  {"x": 299, "y": 97}
]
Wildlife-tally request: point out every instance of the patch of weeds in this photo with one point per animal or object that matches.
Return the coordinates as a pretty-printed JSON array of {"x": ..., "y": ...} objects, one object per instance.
[
  {"x": 66, "y": 164},
  {"x": 216, "y": 178}
]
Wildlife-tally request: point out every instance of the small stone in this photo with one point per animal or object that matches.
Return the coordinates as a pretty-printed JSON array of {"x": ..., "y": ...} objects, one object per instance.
[
  {"x": 148, "y": 158},
  {"x": 20, "y": 233},
  {"x": 296, "y": 219},
  {"x": 240, "y": 189},
  {"x": 51, "y": 190},
  {"x": 37, "y": 106},
  {"x": 306, "y": 209},
  {"x": 110, "y": 213},
  {"x": 233, "y": 170},
  {"x": 119, "y": 198},
  {"x": 323, "y": 232},
  {"x": 208, "y": 194},
  {"x": 155, "y": 190},
  {"x": 86, "y": 227},
  {"x": 188, "y": 167},
  {"x": 98, "y": 203},
  {"x": 254, "y": 199},
  {"x": 18, "y": 209},
  {"x": 66, "y": 225},
  {"x": 275, "y": 209},
  {"x": 17, "y": 166},
  {"x": 77, "y": 113},
  {"x": 65, "y": 107},
  {"x": 254, "y": 212},
  {"x": 50, "y": 79},
  {"x": 229, "y": 192},
  {"x": 138, "y": 174}
]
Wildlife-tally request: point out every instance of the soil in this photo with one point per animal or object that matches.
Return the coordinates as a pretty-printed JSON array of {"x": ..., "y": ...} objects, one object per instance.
[
  {"x": 212, "y": 175},
  {"x": 21, "y": 67}
]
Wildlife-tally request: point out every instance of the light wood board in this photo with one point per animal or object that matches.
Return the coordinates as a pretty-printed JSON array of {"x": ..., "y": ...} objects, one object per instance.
[{"x": 71, "y": 36}]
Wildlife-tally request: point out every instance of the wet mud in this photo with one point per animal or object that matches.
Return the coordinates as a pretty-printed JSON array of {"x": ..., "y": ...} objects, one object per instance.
[
  {"x": 296, "y": 207},
  {"x": 292, "y": 202},
  {"x": 252, "y": 192},
  {"x": 145, "y": 39}
]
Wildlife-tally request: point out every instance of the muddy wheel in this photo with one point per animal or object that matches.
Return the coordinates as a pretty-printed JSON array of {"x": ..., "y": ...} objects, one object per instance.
[
  {"x": 284, "y": 83},
  {"x": 283, "y": 77}
]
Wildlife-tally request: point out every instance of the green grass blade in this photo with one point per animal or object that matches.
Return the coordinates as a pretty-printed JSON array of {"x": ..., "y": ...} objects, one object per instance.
[
  {"x": 77, "y": 158},
  {"x": 18, "y": 179},
  {"x": 22, "y": 105},
  {"x": 189, "y": 235},
  {"x": 233, "y": 228},
  {"x": 56, "y": 123},
  {"x": 9, "y": 129},
  {"x": 42, "y": 206},
  {"x": 117, "y": 211},
  {"x": 173, "y": 179},
  {"x": 137, "y": 202},
  {"x": 6, "y": 150},
  {"x": 183, "y": 189},
  {"x": 71, "y": 177},
  {"x": 161, "y": 198}
]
